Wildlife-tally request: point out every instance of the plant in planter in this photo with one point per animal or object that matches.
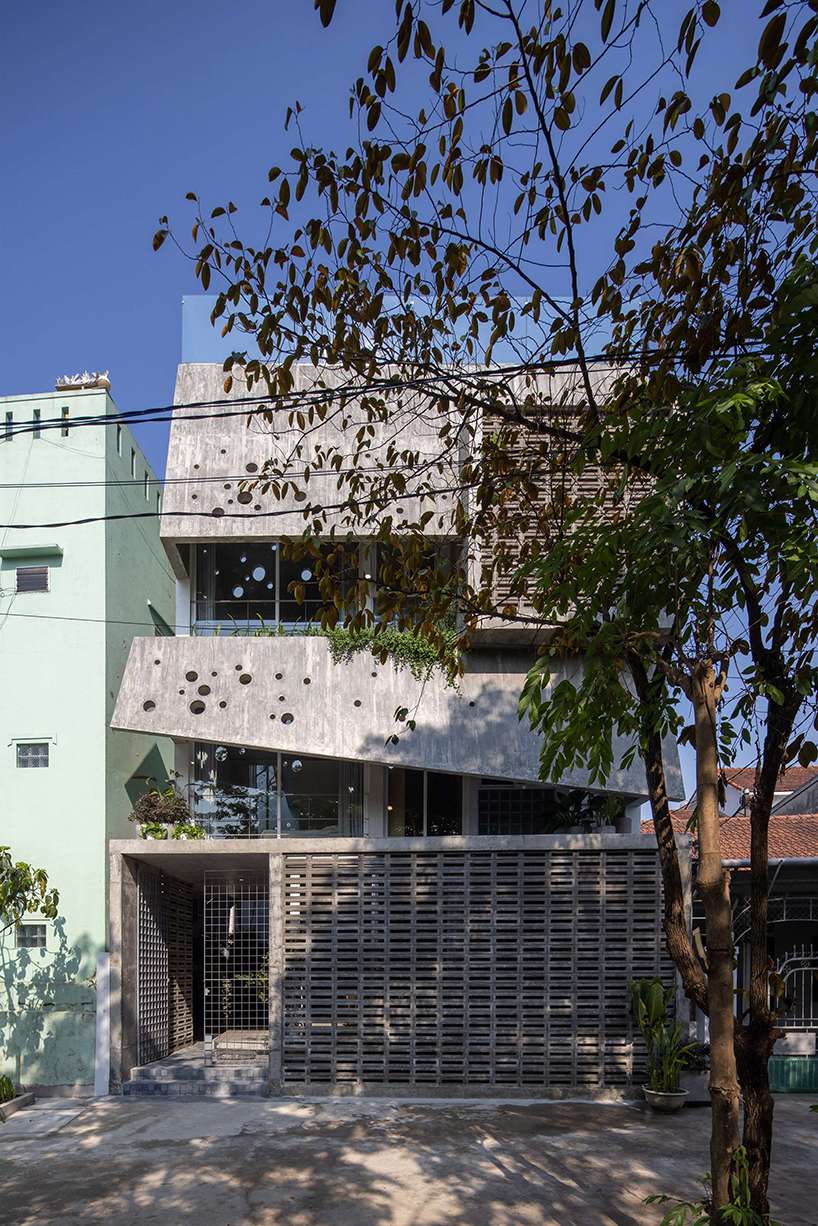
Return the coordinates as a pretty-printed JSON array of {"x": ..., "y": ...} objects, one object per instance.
[
  {"x": 7, "y": 1090},
  {"x": 162, "y": 810},
  {"x": 189, "y": 830},
  {"x": 667, "y": 1047}
]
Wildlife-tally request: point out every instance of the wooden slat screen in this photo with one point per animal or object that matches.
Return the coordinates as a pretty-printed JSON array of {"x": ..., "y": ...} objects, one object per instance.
[{"x": 466, "y": 969}]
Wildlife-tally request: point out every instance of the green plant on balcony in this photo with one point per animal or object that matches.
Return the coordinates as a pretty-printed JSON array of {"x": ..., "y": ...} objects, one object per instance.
[
  {"x": 7, "y": 1090},
  {"x": 189, "y": 830},
  {"x": 160, "y": 810},
  {"x": 405, "y": 649}
]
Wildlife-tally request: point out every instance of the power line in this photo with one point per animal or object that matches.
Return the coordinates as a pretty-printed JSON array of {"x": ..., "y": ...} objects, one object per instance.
[
  {"x": 316, "y": 396},
  {"x": 106, "y": 621}
]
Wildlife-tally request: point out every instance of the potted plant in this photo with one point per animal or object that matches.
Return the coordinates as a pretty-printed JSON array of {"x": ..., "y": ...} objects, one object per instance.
[
  {"x": 163, "y": 813},
  {"x": 667, "y": 1047}
]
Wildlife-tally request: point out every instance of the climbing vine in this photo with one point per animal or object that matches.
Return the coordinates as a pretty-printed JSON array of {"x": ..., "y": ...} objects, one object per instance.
[{"x": 404, "y": 648}]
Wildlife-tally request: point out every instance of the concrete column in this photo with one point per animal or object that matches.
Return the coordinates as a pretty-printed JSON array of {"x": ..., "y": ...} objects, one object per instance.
[
  {"x": 275, "y": 960},
  {"x": 102, "y": 1053}
]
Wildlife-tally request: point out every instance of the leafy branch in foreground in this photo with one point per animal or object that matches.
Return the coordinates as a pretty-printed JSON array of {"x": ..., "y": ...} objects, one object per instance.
[{"x": 24, "y": 890}]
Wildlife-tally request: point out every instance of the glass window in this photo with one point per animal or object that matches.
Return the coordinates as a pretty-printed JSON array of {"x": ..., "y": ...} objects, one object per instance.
[
  {"x": 133, "y": 462},
  {"x": 423, "y": 802},
  {"x": 146, "y": 485},
  {"x": 251, "y": 582},
  {"x": 119, "y": 440},
  {"x": 404, "y": 807},
  {"x": 320, "y": 796},
  {"x": 64, "y": 426},
  {"x": 444, "y": 804},
  {"x": 235, "y": 790},
  {"x": 31, "y": 936},
  {"x": 32, "y": 578},
  {"x": 36, "y": 431},
  {"x": 236, "y": 583},
  {"x": 32, "y": 754},
  {"x": 9, "y": 424}
]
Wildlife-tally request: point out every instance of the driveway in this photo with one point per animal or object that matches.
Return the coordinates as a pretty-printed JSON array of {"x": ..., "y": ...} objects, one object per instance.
[{"x": 356, "y": 1162}]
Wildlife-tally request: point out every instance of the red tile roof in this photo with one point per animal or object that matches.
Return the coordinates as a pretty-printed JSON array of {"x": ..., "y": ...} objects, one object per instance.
[
  {"x": 790, "y": 780},
  {"x": 793, "y": 836}
]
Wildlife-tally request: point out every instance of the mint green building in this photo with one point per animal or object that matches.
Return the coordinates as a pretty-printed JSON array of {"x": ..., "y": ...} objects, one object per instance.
[{"x": 72, "y": 598}]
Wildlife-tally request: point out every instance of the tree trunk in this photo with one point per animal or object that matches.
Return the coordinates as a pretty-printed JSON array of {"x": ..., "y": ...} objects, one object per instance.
[
  {"x": 753, "y": 1050},
  {"x": 714, "y": 887}
]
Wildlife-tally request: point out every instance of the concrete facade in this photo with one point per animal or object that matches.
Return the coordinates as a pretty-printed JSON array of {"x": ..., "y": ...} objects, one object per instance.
[{"x": 62, "y": 655}]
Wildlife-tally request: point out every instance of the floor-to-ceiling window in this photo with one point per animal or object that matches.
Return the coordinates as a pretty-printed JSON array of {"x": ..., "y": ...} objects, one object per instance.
[
  {"x": 422, "y": 802},
  {"x": 243, "y": 792},
  {"x": 242, "y": 586}
]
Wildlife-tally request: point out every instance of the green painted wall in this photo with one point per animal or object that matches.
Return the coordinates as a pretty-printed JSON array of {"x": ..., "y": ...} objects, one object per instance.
[{"x": 62, "y": 654}]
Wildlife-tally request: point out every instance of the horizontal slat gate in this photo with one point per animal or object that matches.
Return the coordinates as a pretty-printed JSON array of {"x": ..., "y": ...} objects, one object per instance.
[{"x": 466, "y": 969}]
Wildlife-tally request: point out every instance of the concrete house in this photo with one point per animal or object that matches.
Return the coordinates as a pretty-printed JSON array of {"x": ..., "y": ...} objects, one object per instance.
[
  {"x": 361, "y": 915},
  {"x": 72, "y": 596}
]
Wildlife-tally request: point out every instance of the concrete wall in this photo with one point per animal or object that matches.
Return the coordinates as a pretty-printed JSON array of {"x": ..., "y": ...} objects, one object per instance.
[
  {"x": 232, "y": 450},
  {"x": 285, "y": 692},
  {"x": 60, "y": 661}
]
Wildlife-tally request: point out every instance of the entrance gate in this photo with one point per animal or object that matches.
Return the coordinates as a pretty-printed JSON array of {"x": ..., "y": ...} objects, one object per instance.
[{"x": 236, "y": 968}]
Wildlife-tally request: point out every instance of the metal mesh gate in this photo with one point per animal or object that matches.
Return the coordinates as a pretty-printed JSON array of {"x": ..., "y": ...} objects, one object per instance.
[
  {"x": 466, "y": 969},
  {"x": 165, "y": 965},
  {"x": 236, "y": 967}
]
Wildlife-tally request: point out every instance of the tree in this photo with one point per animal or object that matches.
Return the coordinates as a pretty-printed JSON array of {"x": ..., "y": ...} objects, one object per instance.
[
  {"x": 704, "y": 590},
  {"x": 23, "y": 890},
  {"x": 572, "y": 232}
]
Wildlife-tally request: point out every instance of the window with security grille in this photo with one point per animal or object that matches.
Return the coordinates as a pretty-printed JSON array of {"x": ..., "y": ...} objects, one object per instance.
[
  {"x": 32, "y": 578},
  {"x": 32, "y": 754},
  {"x": 31, "y": 936}
]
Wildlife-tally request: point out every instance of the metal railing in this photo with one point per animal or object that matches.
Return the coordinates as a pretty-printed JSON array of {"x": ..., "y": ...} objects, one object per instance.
[
  {"x": 231, "y": 812},
  {"x": 799, "y": 971}
]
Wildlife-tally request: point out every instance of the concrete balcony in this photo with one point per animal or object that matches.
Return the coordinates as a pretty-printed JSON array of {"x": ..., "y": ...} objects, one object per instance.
[{"x": 286, "y": 693}]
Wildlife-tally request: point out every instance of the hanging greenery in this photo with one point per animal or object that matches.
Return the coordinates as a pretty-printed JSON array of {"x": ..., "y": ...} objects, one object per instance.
[{"x": 404, "y": 648}]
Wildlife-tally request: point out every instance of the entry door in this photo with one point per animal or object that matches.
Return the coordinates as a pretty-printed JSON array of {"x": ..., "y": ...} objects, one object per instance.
[{"x": 236, "y": 987}]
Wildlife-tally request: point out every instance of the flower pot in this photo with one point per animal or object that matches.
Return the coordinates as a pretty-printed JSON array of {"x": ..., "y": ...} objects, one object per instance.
[
  {"x": 664, "y": 1100},
  {"x": 696, "y": 1084}
]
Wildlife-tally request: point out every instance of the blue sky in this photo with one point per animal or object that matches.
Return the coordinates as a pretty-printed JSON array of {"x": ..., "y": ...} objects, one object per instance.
[{"x": 111, "y": 114}]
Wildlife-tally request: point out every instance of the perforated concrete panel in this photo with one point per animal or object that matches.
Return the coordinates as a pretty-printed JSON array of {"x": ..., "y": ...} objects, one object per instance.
[{"x": 467, "y": 971}]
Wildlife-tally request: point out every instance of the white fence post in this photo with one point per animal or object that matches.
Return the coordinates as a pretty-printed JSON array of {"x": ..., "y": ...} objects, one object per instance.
[{"x": 102, "y": 1055}]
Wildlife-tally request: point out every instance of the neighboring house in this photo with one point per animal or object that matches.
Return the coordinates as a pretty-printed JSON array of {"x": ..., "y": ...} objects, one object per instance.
[
  {"x": 793, "y": 924},
  {"x": 362, "y": 913},
  {"x": 740, "y": 781},
  {"x": 71, "y": 599}
]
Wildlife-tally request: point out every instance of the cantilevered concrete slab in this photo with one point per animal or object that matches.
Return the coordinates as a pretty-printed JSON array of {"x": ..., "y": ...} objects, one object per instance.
[{"x": 286, "y": 693}]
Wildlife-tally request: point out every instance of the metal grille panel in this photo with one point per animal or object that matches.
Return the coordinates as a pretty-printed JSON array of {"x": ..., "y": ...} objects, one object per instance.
[
  {"x": 236, "y": 931},
  {"x": 165, "y": 979},
  {"x": 470, "y": 969}
]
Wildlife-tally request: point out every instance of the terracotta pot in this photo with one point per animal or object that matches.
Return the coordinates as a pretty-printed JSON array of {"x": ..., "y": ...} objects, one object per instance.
[{"x": 665, "y": 1100}]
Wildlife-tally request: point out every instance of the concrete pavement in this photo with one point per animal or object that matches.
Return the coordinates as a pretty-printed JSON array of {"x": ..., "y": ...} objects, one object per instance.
[{"x": 369, "y": 1162}]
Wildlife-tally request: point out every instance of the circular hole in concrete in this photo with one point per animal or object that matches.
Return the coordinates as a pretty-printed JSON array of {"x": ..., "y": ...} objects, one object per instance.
[
  {"x": 222, "y": 704},
  {"x": 227, "y": 485},
  {"x": 307, "y": 681},
  {"x": 181, "y": 691},
  {"x": 195, "y": 465},
  {"x": 148, "y": 705},
  {"x": 471, "y": 704},
  {"x": 194, "y": 497},
  {"x": 244, "y": 497},
  {"x": 357, "y": 702},
  {"x": 197, "y": 706},
  {"x": 214, "y": 673},
  {"x": 287, "y": 717},
  {"x": 204, "y": 690},
  {"x": 279, "y": 676},
  {"x": 223, "y": 451},
  {"x": 272, "y": 715},
  {"x": 374, "y": 674},
  {"x": 245, "y": 679},
  {"x": 217, "y": 511},
  {"x": 157, "y": 661},
  {"x": 251, "y": 468},
  {"x": 281, "y": 698},
  {"x": 257, "y": 507},
  {"x": 191, "y": 676}
]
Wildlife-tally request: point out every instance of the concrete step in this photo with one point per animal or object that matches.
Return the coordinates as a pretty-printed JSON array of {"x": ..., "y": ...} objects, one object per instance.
[
  {"x": 145, "y": 1087},
  {"x": 248, "y": 1073}
]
